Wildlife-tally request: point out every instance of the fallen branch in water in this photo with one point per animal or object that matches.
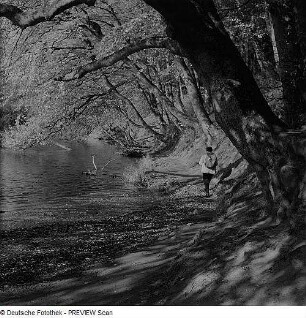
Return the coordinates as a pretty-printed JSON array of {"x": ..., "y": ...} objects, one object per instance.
[{"x": 107, "y": 164}]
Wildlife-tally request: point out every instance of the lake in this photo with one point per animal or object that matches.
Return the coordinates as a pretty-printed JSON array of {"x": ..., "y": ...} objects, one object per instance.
[{"x": 47, "y": 184}]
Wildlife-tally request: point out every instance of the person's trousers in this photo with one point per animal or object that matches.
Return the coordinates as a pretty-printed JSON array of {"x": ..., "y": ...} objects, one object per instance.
[{"x": 206, "y": 179}]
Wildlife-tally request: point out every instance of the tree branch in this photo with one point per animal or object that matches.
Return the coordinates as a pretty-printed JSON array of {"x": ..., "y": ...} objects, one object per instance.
[
  {"x": 154, "y": 42},
  {"x": 138, "y": 115},
  {"x": 24, "y": 19},
  {"x": 161, "y": 95}
]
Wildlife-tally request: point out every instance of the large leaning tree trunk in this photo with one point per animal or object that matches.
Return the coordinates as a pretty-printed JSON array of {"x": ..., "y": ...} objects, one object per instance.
[{"x": 241, "y": 110}]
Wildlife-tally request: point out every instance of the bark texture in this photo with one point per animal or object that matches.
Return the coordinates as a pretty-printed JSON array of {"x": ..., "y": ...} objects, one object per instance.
[
  {"x": 300, "y": 10},
  {"x": 284, "y": 33}
]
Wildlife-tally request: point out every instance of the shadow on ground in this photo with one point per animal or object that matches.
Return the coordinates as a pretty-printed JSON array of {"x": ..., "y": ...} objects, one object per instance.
[{"x": 227, "y": 256}]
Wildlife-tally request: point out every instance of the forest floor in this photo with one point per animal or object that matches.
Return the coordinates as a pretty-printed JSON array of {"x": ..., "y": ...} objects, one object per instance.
[{"x": 225, "y": 253}]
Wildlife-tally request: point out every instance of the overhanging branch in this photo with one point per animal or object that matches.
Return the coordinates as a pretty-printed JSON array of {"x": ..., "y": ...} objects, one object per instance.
[
  {"x": 154, "y": 42},
  {"x": 25, "y": 19}
]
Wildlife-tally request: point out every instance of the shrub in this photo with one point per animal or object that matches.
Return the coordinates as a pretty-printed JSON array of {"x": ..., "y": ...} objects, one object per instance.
[{"x": 137, "y": 174}]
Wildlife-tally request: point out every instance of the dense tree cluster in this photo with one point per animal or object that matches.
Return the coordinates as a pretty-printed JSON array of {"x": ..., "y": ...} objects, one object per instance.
[{"x": 142, "y": 72}]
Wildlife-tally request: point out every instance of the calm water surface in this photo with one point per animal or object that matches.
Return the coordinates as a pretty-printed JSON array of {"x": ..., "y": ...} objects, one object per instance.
[{"x": 47, "y": 185}]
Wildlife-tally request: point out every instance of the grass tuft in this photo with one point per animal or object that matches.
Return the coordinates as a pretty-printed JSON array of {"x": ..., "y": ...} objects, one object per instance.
[{"x": 137, "y": 174}]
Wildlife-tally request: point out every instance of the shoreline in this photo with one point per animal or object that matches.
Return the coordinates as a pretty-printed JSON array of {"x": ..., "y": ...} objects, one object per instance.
[
  {"x": 227, "y": 256},
  {"x": 189, "y": 250},
  {"x": 131, "y": 232}
]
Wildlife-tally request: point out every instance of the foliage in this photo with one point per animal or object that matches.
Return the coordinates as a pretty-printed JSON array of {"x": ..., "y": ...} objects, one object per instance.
[
  {"x": 67, "y": 71},
  {"x": 32, "y": 59}
]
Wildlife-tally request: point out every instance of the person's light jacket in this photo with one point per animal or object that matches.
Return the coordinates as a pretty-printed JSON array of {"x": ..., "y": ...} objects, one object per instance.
[{"x": 205, "y": 169}]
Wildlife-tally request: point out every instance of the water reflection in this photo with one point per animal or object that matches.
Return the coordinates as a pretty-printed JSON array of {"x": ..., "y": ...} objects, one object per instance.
[{"x": 47, "y": 185}]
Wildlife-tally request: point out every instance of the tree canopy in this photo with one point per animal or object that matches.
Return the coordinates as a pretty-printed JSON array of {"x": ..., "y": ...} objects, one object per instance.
[{"x": 142, "y": 72}]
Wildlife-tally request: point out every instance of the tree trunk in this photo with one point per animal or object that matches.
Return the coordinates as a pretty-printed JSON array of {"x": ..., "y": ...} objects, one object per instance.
[
  {"x": 283, "y": 32},
  {"x": 196, "y": 101},
  {"x": 179, "y": 97},
  {"x": 152, "y": 103},
  {"x": 300, "y": 9},
  {"x": 241, "y": 110}
]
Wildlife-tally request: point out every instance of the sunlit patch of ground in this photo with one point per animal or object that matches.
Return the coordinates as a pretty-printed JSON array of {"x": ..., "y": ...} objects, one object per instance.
[{"x": 243, "y": 263}]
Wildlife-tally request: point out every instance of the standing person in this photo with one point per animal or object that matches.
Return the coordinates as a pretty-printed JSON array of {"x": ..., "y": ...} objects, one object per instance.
[{"x": 208, "y": 163}]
